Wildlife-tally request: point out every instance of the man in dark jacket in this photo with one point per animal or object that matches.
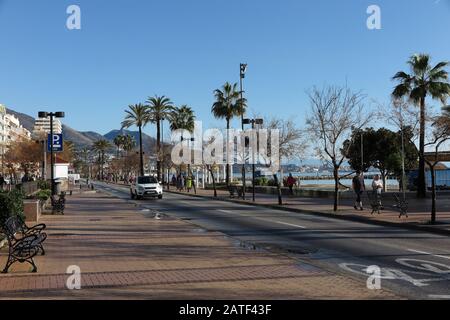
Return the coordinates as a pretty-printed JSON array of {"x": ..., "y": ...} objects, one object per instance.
[{"x": 358, "y": 188}]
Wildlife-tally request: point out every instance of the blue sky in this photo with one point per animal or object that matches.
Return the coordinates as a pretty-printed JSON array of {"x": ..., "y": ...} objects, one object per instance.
[{"x": 129, "y": 50}]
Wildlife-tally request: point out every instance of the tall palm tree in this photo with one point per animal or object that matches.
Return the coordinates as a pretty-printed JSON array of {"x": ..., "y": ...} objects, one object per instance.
[
  {"x": 101, "y": 146},
  {"x": 228, "y": 105},
  {"x": 84, "y": 157},
  {"x": 129, "y": 143},
  {"x": 183, "y": 118},
  {"x": 159, "y": 108},
  {"x": 137, "y": 115},
  {"x": 423, "y": 81},
  {"x": 118, "y": 142}
]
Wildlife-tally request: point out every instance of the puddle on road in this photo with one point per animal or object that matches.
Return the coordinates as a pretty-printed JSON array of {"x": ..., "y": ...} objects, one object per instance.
[{"x": 274, "y": 248}]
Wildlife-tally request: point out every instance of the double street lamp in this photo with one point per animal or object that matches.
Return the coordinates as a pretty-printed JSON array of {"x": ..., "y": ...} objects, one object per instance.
[
  {"x": 51, "y": 115},
  {"x": 242, "y": 71},
  {"x": 254, "y": 123},
  {"x": 190, "y": 157}
]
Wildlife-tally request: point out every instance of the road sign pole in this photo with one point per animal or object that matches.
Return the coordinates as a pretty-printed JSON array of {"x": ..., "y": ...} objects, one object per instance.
[{"x": 52, "y": 161}]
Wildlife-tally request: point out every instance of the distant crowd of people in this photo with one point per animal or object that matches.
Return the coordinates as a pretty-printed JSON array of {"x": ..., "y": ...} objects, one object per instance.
[{"x": 183, "y": 182}]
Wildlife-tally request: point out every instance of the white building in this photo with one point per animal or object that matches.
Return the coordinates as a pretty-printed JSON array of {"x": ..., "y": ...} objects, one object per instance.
[
  {"x": 14, "y": 131},
  {"x": 42, "y": 125},
  {"x": 2, "y": 133},
  {"x": 10, "y": 130}
]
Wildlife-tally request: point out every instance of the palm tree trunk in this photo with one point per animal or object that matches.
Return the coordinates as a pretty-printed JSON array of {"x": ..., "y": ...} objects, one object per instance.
[
  {"x": 421, "y": 186},
  {"x": 158, "y": 147},
  {"x": 210, "y": 169},
  {"x": 228, "y": 151},
  {"x": 141, "y": 154},
  {"x": 102, "y": 163}
]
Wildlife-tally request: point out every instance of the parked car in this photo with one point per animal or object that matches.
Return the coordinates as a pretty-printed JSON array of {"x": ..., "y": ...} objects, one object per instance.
[{"x": 147, "y": 186}]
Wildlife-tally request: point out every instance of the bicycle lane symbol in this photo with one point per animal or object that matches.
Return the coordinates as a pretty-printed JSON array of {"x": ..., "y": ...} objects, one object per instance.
[{"x": 429, "y": 271}]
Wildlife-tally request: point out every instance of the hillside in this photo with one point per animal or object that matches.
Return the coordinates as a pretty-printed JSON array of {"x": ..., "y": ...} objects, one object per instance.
[{"x": 86, "y": 139}]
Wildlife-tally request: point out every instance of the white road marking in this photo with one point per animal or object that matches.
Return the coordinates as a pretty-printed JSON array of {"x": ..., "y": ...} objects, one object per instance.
[
  {"x": 286, "y": 224},
  {"x": 266, "y": 220},
  {"x": 428, "y": 254},
  {"x": 227, "y": 211}
]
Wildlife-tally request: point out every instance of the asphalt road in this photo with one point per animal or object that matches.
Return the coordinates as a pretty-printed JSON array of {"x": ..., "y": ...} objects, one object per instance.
[{"x": 413, "y": 264}]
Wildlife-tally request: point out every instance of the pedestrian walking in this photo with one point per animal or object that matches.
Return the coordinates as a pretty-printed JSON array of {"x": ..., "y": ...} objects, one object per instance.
[
  {"x": 358, "y": 188},
  {"x": 174, "y": 181},
  {"x": 189, "y": 183},
  {"x": 377, "y": 187},
  {"x": 182, "y": 183},
  {"x": 291, "y": 182}
]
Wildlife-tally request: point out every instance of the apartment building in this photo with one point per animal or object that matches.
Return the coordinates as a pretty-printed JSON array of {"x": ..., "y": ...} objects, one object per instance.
[
  {"x": 14, "y": 130},
  {"x": 42, "y": 126}
]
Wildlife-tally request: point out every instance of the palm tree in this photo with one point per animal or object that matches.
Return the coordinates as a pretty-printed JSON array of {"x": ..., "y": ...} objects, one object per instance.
[
  {"x": 228, "y": 105},
  {"x": 129, "y": 143},
  {"x": 137, "y": 115},
  {"x": 101, "y": 146},
  {"x": 159, "y": 108},
  {"x": 84, "y": 157},
  {"x": 118, "y": 142},
  {"x": 183, "y": 118},
  {"x": 423, "y": 81}
]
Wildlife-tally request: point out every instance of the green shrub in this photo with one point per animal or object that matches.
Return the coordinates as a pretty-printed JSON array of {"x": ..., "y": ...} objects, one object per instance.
[
  {"x": 11, "y": 204},
  {"x": 263, "y": 181},
  {"x": 44, "y": 185},
  {"x": 43, "y": 195}
]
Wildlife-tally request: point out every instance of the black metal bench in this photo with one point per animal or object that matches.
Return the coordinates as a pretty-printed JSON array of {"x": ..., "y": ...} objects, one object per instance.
[
  {"x": 401, "y": 205},
  {"x": 235, "y": 190},
  {"x": 58, "y": 205},
  {"x": 375, "y": 202},
  {"x": 24, "y": 243}
]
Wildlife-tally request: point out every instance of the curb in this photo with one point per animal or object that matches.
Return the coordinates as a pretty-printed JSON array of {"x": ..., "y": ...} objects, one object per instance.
[{"x": 414, "y": 227}]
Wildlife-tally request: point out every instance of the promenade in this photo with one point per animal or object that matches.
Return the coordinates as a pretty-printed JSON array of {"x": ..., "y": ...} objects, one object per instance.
[{"x": 125, "y": 253}]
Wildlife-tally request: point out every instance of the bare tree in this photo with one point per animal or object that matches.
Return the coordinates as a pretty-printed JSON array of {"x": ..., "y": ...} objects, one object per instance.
[
  {"x": 335, "y": 112},
  {"x": 292, "y": 144},
  {"x": 441, "y": 134}
]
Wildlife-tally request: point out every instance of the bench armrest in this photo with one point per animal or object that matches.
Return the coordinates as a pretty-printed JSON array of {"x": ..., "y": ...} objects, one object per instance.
[{"x": 36, "y": 229}]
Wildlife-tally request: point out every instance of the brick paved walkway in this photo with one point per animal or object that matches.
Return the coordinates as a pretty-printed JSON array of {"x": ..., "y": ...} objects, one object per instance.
[{"x": 125, "y": 253}]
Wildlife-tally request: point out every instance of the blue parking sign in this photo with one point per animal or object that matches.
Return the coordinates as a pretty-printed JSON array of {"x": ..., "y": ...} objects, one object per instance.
[{"x": 57, "y": 140}]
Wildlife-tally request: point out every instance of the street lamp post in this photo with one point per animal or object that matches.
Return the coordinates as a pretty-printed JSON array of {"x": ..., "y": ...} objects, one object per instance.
[
  {"x": 243, "y": 70},
  {"x": 403, "y": 156},
  {"x": 189, "y": 164},
  {"x": 44, "y": 160},
  {"x": 51, "y": 115},
  {"x": 162, "y": 152},
  {"x": 254, "y": 123}
]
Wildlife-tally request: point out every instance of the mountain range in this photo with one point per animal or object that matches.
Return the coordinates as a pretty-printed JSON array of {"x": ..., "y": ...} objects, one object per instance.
[{"x": 86, "y": 139}]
